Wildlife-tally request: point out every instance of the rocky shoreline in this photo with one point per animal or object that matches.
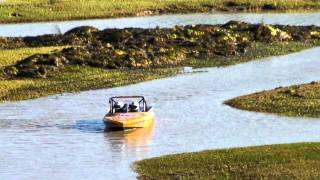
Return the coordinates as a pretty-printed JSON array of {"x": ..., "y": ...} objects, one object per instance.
[{"x": 134, "y": 48}]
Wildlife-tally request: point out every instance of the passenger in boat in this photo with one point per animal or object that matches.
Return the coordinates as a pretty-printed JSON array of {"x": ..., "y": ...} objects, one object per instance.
[
  {"x": 134, "y": 107},
  {"x": 120, "y": 107}
]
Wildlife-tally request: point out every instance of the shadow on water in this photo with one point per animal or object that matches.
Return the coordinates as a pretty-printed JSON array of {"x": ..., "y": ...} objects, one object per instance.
[
  {"x": 98, "y": 126},
  {"x": 90, "y": 126},
  {"x": 87, "y": 126},
  {"x": 130, "y": 138}
]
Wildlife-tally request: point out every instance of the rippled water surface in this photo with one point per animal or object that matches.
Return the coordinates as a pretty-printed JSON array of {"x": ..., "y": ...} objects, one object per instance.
[
  {"x": 32, "y": 29},
  {"x": 62, "y": 137}
]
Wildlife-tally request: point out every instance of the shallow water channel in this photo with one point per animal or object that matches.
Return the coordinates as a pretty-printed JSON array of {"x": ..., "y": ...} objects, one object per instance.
[
  {"x": 62, "y": 136},
  {"x": 34, "y": 29}
]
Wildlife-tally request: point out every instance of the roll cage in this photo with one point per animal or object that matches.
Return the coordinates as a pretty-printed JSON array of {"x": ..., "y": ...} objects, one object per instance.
[{"x": 141, "y": 100}]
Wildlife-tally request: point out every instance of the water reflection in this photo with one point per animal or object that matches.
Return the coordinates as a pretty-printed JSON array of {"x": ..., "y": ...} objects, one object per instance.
[
  {"x": 130, "y": 139},
  {"x": 129, "y": 143}
]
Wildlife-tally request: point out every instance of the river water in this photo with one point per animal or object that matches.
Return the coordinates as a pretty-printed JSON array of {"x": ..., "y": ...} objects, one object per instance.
[
  {"x": 33, "y": 29},
  {"x": 62, "y": 136}
]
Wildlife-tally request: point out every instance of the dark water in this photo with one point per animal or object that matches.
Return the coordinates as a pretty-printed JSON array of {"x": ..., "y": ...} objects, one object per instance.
[{"x": 63, "y": 137}]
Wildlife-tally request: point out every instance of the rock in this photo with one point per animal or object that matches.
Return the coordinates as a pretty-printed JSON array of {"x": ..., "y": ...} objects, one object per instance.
[
  {"x": 231, "y": 4},
  {"x": 268, "y": 7},
  {"x": 42, "y": 71},
  {"x": 16, "y": 14},
  {"x": 115, "y": 35},
  {"x": 10, "y": 71},
  {"x": 30, "y": 60},
  {"x": 31, "y": 71},
  {"x": 80, "y": 35},
  {"x": 147, "y": 48},
  {"x": 3, "y": 42},
  {"x": 82, "y": 31},
  {"x": 78, "y": 55},
  {"x": 44, "y": 40},
  {"x": 315, "y": 34},
  {"x": 57, "y": 61},
  {"x": 269, "y": 33},
  {"x": 145, "y": 13},
  {"x": 119, "y": 52},
  {"x": 237, "y": 25}
]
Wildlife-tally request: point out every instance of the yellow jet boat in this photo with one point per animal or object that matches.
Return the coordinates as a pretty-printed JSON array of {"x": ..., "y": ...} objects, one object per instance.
[{"x": 127, "y": 112}]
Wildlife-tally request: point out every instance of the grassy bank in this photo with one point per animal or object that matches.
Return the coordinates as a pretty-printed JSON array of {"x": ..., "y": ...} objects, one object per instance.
[
  {"x": 11, "y": 56},
  {"x": 48, "y": 10},
  {"x": 75, "y": 78},
  {"x": 289, "y": 161},
  {"x": 297, "y": 100},
  {"x": 258, "y": 51}
]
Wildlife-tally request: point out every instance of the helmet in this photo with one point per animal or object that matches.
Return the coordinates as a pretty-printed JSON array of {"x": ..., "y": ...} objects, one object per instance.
[
  {"x": 118, "y": 105},
  {"x": 134, "y": 106}
]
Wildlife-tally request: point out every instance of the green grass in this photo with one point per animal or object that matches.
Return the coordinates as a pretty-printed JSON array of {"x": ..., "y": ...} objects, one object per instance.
[
  {"x": 74, "y": 79},
  {"x": 258, "y": 51},
  {"x": 70, "y": 79},
  {"x": 289, "y": 161},
  {"x": 78, "y": 78},
  {"x": 48, "y": 10},
  {"x": 297, "y": 100},
  {"x": 11, "y": 56}
]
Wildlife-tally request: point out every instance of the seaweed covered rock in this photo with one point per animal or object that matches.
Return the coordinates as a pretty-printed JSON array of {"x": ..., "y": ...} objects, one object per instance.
[
  {"x": 187, "y": 36},
  {"x": 80, "y": 35},
  {"x": 10, "y": 43},
  {"x": 10, "y": 71},
  {"x": 147, "y": 48},
  {"x": 44, "y": 40},
  {"x": 3, "y": 42},
  {"x": 300, "y": 33},
  {"x": 84, "y": 31},
  {"x": 116, "y": 35},
  {"x": 36, "y": 66},
  {"x": 30, "y": 41},
  {"x": 315, "y": 34},
  {"x": 269, "y": 33},
  {"x": 238, "y": 26}
]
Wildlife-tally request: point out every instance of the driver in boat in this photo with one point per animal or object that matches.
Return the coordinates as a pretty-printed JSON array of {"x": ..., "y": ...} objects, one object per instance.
[
  {"x": 120, "y": 107},
  {"x": 134, "y": 107}
]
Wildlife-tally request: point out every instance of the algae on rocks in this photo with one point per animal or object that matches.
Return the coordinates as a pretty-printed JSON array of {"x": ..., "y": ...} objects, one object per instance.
[{"x": 132, "y": 48}]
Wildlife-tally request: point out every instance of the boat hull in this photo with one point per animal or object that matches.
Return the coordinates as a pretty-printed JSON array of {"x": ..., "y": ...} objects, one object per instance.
[{"x": 129, "y": 120}]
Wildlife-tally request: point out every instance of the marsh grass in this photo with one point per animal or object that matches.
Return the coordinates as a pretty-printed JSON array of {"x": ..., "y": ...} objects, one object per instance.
[
  {"x": 77, "y": 78},
  {"x": 11, "y": 56},
  {"x": 44, "y": 10},
  {"x": 296, "y": 100},
  {"x": 74, "y": 78},
  {"x": 288, "y": 161},
  {"x": 259, "y": 50}
]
